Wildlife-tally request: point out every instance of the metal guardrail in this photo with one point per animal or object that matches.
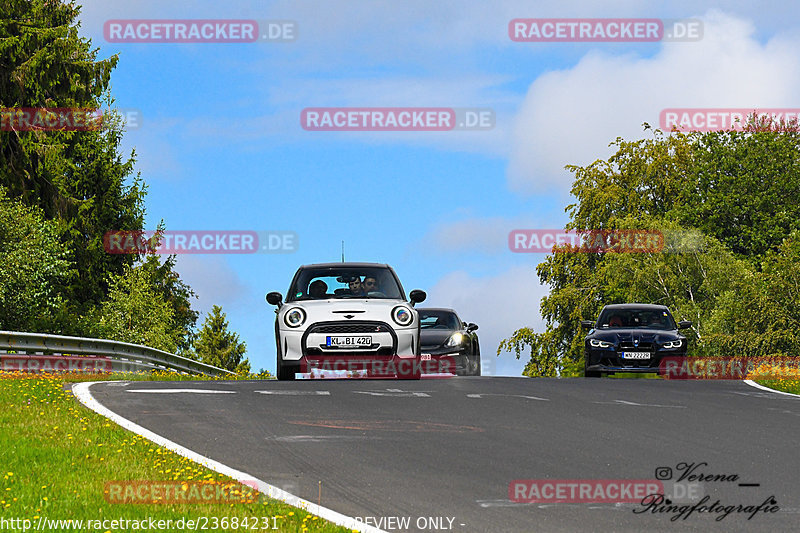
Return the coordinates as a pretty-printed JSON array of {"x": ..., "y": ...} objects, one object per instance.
[{"x": 124, "y": 356}]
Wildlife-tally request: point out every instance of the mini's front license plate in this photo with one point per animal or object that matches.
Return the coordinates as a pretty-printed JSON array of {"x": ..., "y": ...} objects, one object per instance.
[
  {"x": 636, "y": 355},
  {"x": 354, "y": 342}
]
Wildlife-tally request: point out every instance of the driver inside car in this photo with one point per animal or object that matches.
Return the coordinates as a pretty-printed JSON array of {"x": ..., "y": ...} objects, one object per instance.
[
  {"x": 355, "y": 286},
  {"x": 318, "y": 289},
  {"x": 370, "y": 285}
]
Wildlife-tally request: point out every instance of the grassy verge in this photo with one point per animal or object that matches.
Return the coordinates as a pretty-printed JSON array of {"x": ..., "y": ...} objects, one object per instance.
[
  {"x": 783, "y": 384},
  {"x": 56, "y": 457}
]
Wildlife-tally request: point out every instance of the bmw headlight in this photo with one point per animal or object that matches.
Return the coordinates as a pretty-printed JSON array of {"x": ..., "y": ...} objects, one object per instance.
[
  {"x": 595, "y": 343},
  {"x": 673, "y": 344},
  {"x": 402, "y": 315},
  {"x": 294, "y": 317},
  {"x": 455, "y": 339}
]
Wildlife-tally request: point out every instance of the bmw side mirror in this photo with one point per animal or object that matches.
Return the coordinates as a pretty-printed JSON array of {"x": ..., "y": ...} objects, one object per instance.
[
  {"x": 472, "y": 327},
  {"x": 275, "y": 298},
  {"x": 587, "y": 324},
  {"x": 417, "y": 296},
  {"x": 683, "y": 324}
]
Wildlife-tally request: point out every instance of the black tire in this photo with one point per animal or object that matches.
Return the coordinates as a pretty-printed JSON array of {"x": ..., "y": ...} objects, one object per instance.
[
  {"x": 476, "y": 369},
  {"x": 285, "y": 372},
  {"x": 590, "y": 373}
]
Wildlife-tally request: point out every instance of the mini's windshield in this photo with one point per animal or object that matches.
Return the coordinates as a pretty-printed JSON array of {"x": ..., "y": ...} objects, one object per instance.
[
  {"x": 636, "y": 318},
  {"x": 438, "y": 320},
  {"x": 345, "y": 282}
]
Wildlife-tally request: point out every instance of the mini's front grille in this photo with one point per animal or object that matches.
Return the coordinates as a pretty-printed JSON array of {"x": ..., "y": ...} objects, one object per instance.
[{"x": 349, "y": 328}]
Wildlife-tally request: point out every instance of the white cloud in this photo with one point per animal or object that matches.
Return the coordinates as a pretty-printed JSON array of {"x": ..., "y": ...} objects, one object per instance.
[
  {"x": 213, "y": 280},
  {"x": 499, "y": 304},
  {"x": 569, "y": 116}
]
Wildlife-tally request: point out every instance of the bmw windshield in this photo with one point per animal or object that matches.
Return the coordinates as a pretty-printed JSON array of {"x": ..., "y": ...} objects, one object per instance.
[
  {"x": 627, "y": 318},
  {"x": 345, "y": 283}
]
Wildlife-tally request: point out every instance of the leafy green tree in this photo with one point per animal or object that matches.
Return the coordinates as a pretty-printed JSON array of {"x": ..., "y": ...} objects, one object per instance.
[
  {"x": 135, "y": 311},
  {"x": 75, "y": 177},
  {"x": 33, "y": 268},
  {"x": 216, "y": 345},
  {"x": 736, "y": 279},
  {"x": 168, "y": 284},
  {"x": 744, "y": 189}
]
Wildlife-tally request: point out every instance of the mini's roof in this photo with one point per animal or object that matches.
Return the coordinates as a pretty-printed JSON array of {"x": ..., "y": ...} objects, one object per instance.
[{"x": 346, "y": 265}]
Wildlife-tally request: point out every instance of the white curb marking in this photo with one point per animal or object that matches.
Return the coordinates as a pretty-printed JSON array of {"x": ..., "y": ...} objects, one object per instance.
[{"x": 81, "y": 391}]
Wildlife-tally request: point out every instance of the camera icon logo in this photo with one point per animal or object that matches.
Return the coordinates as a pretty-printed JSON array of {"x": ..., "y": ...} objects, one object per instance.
[{"x": 663, "y": 473}]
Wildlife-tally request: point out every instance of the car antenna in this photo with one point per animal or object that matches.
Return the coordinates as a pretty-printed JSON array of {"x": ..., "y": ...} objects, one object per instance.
[{"x": 342, "y": 251}]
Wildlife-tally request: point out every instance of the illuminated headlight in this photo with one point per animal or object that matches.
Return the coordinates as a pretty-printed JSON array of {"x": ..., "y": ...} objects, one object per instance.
[
  {"x": 294, "y": 317},
  {"x": 673, "y": 344},
  {"x": 455, "y": 339},
  {"x": 594, "y": 343},
  {"x": 402, "y": 315}
]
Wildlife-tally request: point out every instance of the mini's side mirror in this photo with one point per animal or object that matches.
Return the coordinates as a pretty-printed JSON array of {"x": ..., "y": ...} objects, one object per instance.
[
  {"x": 275, "y": 298},
  {"x": 472, "y": 327},
  {"x": 683, "y": 324},
  {"x": 587, "y": 324},
  {"x": 417, "y": 296}
]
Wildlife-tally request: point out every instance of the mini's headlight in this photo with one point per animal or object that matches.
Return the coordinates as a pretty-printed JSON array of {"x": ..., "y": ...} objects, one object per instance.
[
  {"x": 595, "y": 343},
  {"x": 673, "y": 344},
  {"x": 294, "y": 317},
  {"x": 455, "y": 339},
  {"x": 402, "y": 315}
]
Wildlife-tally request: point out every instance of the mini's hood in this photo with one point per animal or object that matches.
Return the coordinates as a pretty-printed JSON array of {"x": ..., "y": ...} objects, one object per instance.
[{"x": 347, "y": 310}]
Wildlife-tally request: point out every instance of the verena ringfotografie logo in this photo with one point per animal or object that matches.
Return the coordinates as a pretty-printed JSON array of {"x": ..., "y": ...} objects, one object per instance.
[
  {"x": 199, "y": 31},
  {"x": 604, "y": 30},
  {"x": 543, "y": 241},
  {"x": 582, "y": 490},
  {"x": 720, "y": 119},
  {"x": 200, "y": 242},
  {"x": 396, "y": 119},
  {"x": 738, "y": 368},
  {"x": 53, "y": 363}
]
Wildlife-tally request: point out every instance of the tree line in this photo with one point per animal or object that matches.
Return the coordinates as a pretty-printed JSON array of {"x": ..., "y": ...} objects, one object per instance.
[
  {"x": 61, "y": 191},
  {"x": 728, "y": 204}
]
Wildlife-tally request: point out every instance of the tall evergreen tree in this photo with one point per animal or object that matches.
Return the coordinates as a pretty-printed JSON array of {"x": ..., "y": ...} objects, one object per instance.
[{"x": 217, "y": 346}]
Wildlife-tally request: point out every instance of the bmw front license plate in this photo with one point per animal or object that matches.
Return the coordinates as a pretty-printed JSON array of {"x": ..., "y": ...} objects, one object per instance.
[
  {"x": 636, "y": 355},
  {"x": 349, "y": 341}
]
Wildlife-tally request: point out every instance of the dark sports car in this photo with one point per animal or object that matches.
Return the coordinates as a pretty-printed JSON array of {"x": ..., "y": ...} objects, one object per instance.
[
  {"x": 632, "y": 338},
  {"x": 451, "y": 344}
]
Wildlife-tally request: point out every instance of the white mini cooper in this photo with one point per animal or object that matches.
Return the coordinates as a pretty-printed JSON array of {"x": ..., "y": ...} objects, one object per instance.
[{"x": 347, "y": 316}]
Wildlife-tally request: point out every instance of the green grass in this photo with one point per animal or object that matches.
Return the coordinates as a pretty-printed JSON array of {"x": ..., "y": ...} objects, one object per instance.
[
  {"x": 783, "y": 384},
  {"x": 56, "y": 457}
]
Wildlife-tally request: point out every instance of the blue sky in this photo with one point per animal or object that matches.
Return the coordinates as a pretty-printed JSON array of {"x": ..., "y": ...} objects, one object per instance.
[{"x": 221, "y": 146}]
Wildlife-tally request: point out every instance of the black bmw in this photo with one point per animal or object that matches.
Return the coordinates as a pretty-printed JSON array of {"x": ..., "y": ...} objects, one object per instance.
[{"x": 632, "y": 338}]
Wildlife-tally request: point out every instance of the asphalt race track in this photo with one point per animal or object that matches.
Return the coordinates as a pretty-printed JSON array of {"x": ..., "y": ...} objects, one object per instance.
[{"x": 441, "y": 453}]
